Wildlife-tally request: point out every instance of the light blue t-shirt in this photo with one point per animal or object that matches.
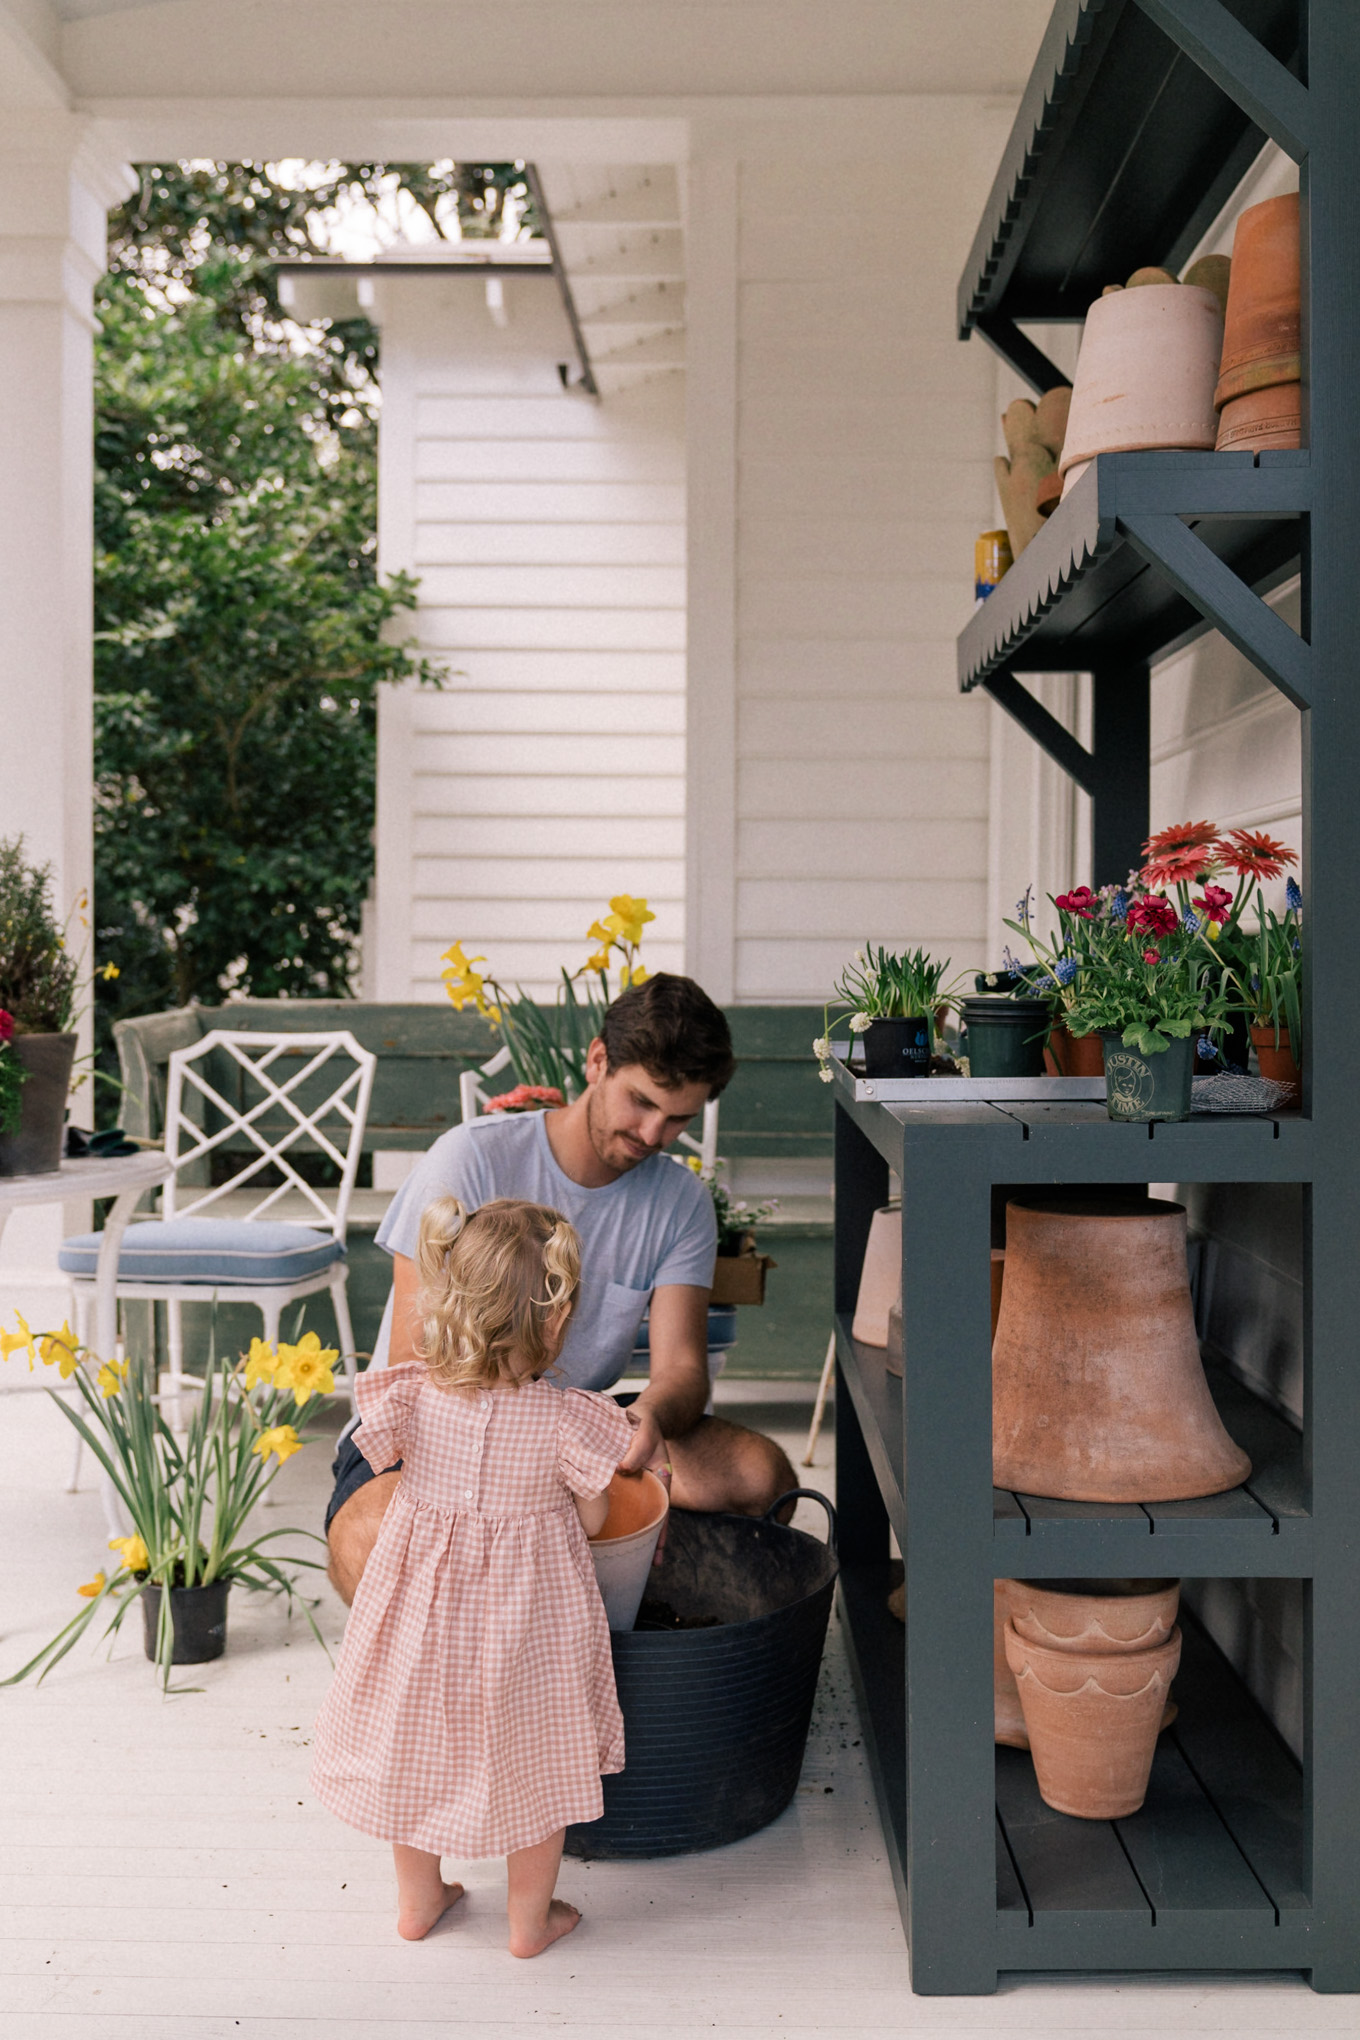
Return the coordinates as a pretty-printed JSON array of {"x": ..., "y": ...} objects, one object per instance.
[{"x": 651, "y": 1226}]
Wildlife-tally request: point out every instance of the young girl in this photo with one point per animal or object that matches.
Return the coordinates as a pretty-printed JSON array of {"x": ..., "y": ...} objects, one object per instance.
[{"x": 474, "y": 1708}]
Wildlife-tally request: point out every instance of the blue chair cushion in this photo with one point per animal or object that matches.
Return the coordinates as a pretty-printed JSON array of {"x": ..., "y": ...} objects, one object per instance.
[{"x": 209, "y": 1250}]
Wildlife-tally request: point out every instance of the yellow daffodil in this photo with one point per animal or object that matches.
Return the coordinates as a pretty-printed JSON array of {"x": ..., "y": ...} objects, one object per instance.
[
  {"x": 282, "y": 1440},
  {"x": 261, "y": 1364},
  {"x": 466, "y": 991},
  {"x": 109, "y": 972},
  {"x": 62, "y": 1348},
  {"x": 628, "y": 917},
  {"x": 597, "y": 932},
  {"x": 639, "y": 973},
  {"x": 599, "y": 961},
  {"x": 133, "y": 1552},
  {"x": 93, "y": 1588},
  {"x": 18, "y": 1342},
  {"x": 459, "y": 964},
  {"x": 306, "y": 1368},
  {"x": 695, "y": 1162},
  {"x": 111, "y": 1377}
]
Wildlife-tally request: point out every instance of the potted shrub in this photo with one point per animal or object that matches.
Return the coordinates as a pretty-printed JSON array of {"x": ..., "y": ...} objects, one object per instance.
[
  {"x": 38, "y": 975},
  {"x": 892, "y": 1001},
  {"x": 739, "y": 1271},
  {"x": 188, "y": 1498}
]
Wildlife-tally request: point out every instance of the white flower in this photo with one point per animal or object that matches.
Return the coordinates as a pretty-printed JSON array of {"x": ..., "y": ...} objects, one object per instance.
[
  {"x": 860, "y": 1023},
  {"x": 821, "y": 1046},
  {"x": 827, "y": 1076},
  {"x": 860, "y": 957}
]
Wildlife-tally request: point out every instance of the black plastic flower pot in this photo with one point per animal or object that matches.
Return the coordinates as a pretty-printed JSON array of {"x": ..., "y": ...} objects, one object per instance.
[
  {"x": 1006, "y": 1037},
  {"x": 897, "y": 1048},
  {"x": 1146, "y": 1087},
  {"x": 1234, "y": 1047},
  {"x": 198, "y": 1621}
]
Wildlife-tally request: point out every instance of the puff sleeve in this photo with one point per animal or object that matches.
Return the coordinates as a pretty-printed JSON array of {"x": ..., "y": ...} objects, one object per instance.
[
  {"x": 593, "y": 1435},
  {"x": 386, "y": 1398}
]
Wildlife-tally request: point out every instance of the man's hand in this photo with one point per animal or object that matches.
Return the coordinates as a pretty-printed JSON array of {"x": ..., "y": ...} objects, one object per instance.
[{"x": 648, "y": 1448}]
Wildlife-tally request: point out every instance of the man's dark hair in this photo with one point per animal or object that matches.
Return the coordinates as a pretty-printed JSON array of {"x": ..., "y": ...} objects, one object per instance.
[{"x": 674, "y": 1030}]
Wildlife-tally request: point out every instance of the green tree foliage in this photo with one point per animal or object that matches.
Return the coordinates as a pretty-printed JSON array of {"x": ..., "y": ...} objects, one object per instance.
[{"x": 242, "y": 631}]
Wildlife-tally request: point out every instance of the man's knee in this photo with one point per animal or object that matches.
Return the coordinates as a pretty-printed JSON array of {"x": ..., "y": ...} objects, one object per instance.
[
  {"x": 760, "y": 1472},
  {"x": 354, "y": 1531}
]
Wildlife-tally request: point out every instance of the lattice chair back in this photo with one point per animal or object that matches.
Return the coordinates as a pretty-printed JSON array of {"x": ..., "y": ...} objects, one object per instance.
[
  {"x": 472, "y": 1099},
  {"x": 299, "y": 1093}
]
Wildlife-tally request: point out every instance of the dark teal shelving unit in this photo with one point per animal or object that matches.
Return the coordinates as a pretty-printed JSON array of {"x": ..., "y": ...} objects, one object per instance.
[{"x": 1139, "y": 119}]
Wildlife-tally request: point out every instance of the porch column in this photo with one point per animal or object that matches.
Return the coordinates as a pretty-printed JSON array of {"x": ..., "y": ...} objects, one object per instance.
[{"x": 56, "y": 185}]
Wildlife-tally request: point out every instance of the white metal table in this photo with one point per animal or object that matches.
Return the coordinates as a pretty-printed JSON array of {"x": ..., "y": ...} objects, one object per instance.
[{"x": 124, "y": 1178}]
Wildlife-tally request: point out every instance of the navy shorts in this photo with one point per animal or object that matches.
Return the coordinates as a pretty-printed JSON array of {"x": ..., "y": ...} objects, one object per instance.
[{"x": 351, "y": 1471}]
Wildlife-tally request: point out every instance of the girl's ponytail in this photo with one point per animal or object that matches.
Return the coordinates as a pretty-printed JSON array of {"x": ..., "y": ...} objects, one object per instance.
[
  {"x": 561, "y": 1264},
  {"x": 440, "y": 1225}
]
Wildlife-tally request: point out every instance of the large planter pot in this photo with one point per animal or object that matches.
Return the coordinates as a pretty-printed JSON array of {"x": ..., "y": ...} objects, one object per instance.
[
  {"x": 34, "y": 1148},
  {"x": 1075, "y": 1055},
  {"x": 897, "y": 1048},
  {"x": 1093, "y": 1719},
  {"x": 198, "y": 1620},
  {"x": 1098, "y": 1391},
  {"x": 1261, "y": 328},
  {"x": 1276, "y": 1060},
  {"x": 1142, "y": 1087},
  {"x": 1146, "y": 373},
  {"x": 1006, "y": 1036}
]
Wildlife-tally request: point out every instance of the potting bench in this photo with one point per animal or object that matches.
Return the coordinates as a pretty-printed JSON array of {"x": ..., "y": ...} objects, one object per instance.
[{"x": 1140, "y": 118}]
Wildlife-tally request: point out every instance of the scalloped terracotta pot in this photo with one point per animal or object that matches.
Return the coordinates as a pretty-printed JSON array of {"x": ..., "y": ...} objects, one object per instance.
[
  {"x": 1009, "y": 1715},
  {"x": 1093, "y": 1719},
  {"x": 1098, "y": 1393},
  {"x": 1072, "y": 1615},
  {"x": 1145, "y": 375}
]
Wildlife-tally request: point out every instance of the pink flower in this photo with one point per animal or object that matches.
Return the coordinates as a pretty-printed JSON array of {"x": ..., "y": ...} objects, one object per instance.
[
  {"x": 1216, "y": 903},
  {"x": 1151, "y": 956},
  {"x": 6, "y": 1026},
  {"x": 1081, "y": 900},
  {"x": 526, "y": 1098},
  {"x": 1153, "y": 915}
]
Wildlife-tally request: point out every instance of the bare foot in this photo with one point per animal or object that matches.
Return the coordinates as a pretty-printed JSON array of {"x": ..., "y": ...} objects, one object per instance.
[
  {"x": 417, "y": 1916},
  {"x": 526, "y": 1941}
]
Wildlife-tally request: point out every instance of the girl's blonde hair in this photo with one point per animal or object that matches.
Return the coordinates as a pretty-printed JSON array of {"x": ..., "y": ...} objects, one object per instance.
[{"x": 493, "y": 1285}]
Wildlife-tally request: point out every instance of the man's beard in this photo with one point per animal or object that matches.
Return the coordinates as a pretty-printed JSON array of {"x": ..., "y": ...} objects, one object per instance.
[{"x": 601, "y": 1139}]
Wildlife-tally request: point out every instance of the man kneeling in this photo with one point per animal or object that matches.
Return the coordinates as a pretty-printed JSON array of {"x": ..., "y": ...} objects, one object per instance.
[{"x": 648, "y": 1239}]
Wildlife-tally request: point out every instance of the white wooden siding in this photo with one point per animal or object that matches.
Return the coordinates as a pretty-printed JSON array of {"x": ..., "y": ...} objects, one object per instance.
[{"x": 548, "y": 535}]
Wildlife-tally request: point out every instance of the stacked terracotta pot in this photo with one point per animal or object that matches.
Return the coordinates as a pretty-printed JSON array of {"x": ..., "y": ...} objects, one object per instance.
[
  {"x": 1092, "y": 1664},
  {"x": 1258, "y": 392}
]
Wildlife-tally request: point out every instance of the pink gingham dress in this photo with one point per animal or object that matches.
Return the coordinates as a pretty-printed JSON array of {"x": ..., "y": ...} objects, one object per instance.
[{"x": 474, "y": 1710}]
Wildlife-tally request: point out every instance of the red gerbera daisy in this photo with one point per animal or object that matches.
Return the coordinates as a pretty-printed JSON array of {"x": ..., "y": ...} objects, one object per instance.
[
  {"x": 1253, "y": 854},
  {"x": 1180, "y": 853}
]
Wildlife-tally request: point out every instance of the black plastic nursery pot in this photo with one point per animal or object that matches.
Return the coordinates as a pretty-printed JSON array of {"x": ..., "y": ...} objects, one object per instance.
[
  {"x": 1147, "y": 1087},
  {"x": 716, "y": 1718},
  {"x": 1006, "y": 1037},
  {"x": 897, "y": 1048},
  {"x": 198, "y": 1621}
]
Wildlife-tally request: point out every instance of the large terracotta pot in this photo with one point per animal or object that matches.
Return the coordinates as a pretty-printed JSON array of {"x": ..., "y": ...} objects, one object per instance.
[
  {"x": 1261, "y": 329},
  {"x": 1107, "y": 1616},
  {"x": 34, "y": 1148},
  {"x": 1098, "y": 1394},
  {"x": 1276, "y": 1060},
  {"x": 1145, "y": 376},
  {"x": 1093, "y": 1719},
  {"x": 1262, "y": 420}
]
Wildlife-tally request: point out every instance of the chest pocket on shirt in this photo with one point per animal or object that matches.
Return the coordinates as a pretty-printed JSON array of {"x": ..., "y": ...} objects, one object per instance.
[{"x": 620, "y": 1315}]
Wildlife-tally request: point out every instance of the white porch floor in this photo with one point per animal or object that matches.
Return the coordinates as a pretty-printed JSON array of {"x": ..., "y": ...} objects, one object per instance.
[{"x": 165, "y": 1874}]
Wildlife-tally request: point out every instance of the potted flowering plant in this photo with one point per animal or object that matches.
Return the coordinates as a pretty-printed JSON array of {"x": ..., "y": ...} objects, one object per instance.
[
  {"x": 1269, "y": 978},
  {"x": 891, "y": 1001},
  {"x": 739, "y": 1271},
  {"x": 188, "y": 1498},
  {"x": 38, "y": 973},
  {"x": 548, "y": 1044}
]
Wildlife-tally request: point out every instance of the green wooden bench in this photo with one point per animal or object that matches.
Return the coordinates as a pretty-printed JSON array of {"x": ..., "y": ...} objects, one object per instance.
[{"x": 775, "y": 1110}]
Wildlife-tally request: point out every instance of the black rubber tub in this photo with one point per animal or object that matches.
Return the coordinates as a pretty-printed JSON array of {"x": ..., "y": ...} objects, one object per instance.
[{"x": 716, "y": 1717}]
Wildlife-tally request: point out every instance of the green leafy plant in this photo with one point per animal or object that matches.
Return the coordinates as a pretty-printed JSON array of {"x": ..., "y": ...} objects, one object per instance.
[
  {"x": 737, "y": 1219},
  {"x": 1268, "y": 969},
  {"x": 187, "y": 1499},
  {"x": 38, "y": 968},
  {"x": 548, "y": 1044},
  {"x": 880, "y": 985}
]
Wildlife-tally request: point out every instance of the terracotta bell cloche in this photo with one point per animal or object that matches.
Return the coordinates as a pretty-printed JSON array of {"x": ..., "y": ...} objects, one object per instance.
[{"x": 1098, "y": 1393}]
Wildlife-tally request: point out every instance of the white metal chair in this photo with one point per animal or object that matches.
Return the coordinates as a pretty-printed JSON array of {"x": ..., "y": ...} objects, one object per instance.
[
  {"x": 193, "y": 1256},
  {"x": 472, "y": 1099}
]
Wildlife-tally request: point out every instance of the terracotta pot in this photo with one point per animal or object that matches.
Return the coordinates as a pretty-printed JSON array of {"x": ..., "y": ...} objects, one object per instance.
[
  {"x": 1010, "y": 1716},
  {"x": 1098, "y": 1393},
  {"x": 1102, "y": 1616},
  {"x": 1277, "y": 1063},
  {"x": 1262, "y": 420},
  {"x": 880, "y": 1282},
  {"x": 1093, "y": 1721},
  {"x": 1261, "y": 329},
  {"x": 1075, "y": 1055},
  {"x": 34, "y": 1148},
  {"x": 623, "y": 1550},
  {"x": 1212, "y": 272},
  {"x": 1145, "y": 375}
]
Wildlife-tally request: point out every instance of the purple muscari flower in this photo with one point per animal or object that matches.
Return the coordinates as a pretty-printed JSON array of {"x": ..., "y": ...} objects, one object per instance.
[
  {"x": 1064, "y": 970},
  {"x": 1190, "y": 922},
  {"x": 1119, "y": 906},
  {"x": 1255, "y": 982},
  {"x": 1207, "y": 1049},
  {"x": 1022, "y": 905},
  {"x": 1293, "y": 898},
  {"x": 1294, "y": 945},
  {"x": 1012, "y": 964},
  {"x": 1045, "y": 983}
]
